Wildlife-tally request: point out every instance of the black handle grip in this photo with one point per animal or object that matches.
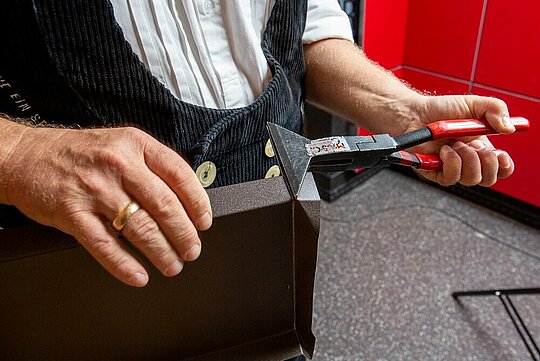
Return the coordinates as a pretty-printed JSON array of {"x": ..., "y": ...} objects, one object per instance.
[{"x": 413, "y": 138}]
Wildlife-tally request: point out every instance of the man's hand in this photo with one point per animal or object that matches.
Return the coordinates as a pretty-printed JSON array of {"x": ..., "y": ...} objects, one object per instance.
[
  {"x": 78, "y": 181},
  {"x": 468, "y": 161},
  {"x": 343, "y": 81}
]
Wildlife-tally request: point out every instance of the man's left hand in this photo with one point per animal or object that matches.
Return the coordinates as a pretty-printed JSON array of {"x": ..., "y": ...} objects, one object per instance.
[{"x": 472, "y": 160}]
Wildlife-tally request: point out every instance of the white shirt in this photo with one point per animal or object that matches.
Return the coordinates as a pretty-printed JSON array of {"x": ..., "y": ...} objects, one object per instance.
[{"x": 208, "y": 52}]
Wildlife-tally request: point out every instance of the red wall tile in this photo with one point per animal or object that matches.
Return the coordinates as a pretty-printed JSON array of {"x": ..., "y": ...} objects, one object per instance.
[
  {"x": 431, "y": 83},
  {"x": 384, "y": 31},
  {"x": 442, "y": 35},
  {"x": 524, "y": 184},
  {"x": 510, "y": 49},
  {"x": 400, "y": 73}
]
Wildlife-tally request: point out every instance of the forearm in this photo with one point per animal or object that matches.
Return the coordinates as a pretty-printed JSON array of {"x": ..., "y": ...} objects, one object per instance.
[
  {"x": 12, "y": 134},
  {"x": 341, "y": 80}
]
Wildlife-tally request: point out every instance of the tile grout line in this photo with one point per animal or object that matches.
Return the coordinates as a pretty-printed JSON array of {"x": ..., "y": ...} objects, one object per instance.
[
  {"x": 363, "y": 24},
  {"x": 458, "y": 80},
  {"x": 438, "y": 75},
  {"x": 478, "y": 44},
  {"x": 507, "y": 92}
]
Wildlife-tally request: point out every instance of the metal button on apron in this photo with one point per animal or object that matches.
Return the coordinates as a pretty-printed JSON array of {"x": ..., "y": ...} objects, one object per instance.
[
  {"x": 268, "y": 149},
  {"x": 206, "y": 173},
  {"x": 273, "y": 172}
]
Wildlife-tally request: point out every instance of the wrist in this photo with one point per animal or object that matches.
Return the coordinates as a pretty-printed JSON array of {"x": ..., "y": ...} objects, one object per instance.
[
  {"x": 394, "y": 109},
  {"x": 23, "y": 150},
  {"x": 444, "y": 107},
  {"x": 418, "y": 110},
  {"x": 398, "y": 115},
  {"x": 13, "y": 135}
]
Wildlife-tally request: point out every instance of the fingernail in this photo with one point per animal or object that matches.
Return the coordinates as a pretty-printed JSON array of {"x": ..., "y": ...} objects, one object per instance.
[
  {"x": 193, "y": 253},
  {"x": 508, "y": 124},
  {"x": 458, "y": 145},
  {"x": 205, "y": 222},
  {"x": 138, "y": 280},
  {"x": 478, "y": 145},
  {"x": 174, "y": 269}
]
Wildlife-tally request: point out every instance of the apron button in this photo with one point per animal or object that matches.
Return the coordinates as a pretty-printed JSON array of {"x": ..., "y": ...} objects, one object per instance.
[
  {"x": 206, "y": 173},
  {"x": 268, "y": 149},
  {"x": 273, "y": 172}
]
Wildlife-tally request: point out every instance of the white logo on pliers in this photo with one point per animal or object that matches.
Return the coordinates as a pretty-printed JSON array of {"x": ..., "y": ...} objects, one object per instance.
[{"x": 327, "y": 146}]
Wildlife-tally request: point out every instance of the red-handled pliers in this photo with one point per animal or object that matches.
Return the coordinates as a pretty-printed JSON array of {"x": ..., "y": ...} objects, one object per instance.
[{"x": 339, "y": 153}]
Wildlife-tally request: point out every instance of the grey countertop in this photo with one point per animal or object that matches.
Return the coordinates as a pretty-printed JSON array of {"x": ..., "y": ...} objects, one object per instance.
[{"x": 391, "y": 253}]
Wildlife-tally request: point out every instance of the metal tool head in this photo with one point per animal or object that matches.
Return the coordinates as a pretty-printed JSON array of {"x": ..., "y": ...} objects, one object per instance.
[{"x": 292, "y": 156}]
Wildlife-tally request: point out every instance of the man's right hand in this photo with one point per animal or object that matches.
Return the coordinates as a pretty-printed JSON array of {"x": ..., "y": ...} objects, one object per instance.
[{"x": 78, "y": 181}]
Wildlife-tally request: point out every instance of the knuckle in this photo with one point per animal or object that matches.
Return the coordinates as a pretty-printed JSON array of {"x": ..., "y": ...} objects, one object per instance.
[
  {"x": 154, "y": 149},
  {"x": 467, "y": 153},
  {"x": 490, "y": 158},
  {"x": 95, "y": 184},
  {"x": 110, "y": 158},
  {"x": 119, "y": 266},
  {"x": 163, "y": 260},
  {"x": 199, "y": 203},
  {"x": 488, "y": 182},
  {"x": 476, "y": 179},
  {"x": 452, "y": 176},
  {"x": 134, "y": 134},
  {"x": 504, "y": 173},
  {"x": 499, "y": 103},
  {"x": 144, "y": 232},
  {"x": 489, "y": 178},
  {"x": 451, "y": 173},
  {"x": 70, "y": 207},
  {"x": 193, "y": 196},
  {"x": 148, "y": 238},
  {"x": 447, "y": 181},
  {"x": 166, "y": 207},
  {"x": 184, "y": 176},
  {"x": 187, "y": 238},
  {"x": 471, "y": 180},
  {"x": 103, "y": 248}
]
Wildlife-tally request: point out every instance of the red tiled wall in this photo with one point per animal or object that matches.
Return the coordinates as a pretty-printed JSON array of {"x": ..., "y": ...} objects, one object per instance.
[
  {"x": 386, "y": 21},
  {"x": 441, "y": 35},
  {"x": 509, "y": 56},
  {"x": 485, "y": 47}
]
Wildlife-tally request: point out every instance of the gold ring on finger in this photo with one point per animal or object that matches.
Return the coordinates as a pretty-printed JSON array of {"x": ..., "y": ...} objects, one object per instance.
[{"x": 124, "y": 215}]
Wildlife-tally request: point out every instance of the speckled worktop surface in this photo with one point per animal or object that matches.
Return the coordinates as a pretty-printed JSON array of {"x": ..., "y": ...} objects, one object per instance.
[{"x": 391, "y": 253}]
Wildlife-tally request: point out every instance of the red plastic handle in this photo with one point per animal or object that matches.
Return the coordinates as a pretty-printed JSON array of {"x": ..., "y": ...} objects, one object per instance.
[
  {"x": 470, "y": 127},
  {"x": 429, "y": 161},
  {"x": 420, "y": 161}
]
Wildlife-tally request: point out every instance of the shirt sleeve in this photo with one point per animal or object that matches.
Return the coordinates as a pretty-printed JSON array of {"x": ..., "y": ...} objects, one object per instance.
[{"x": 326, "y": 19}]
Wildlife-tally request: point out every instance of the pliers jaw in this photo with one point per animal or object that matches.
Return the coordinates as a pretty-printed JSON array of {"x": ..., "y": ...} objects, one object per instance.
[{"x": 334, "y": 154}]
